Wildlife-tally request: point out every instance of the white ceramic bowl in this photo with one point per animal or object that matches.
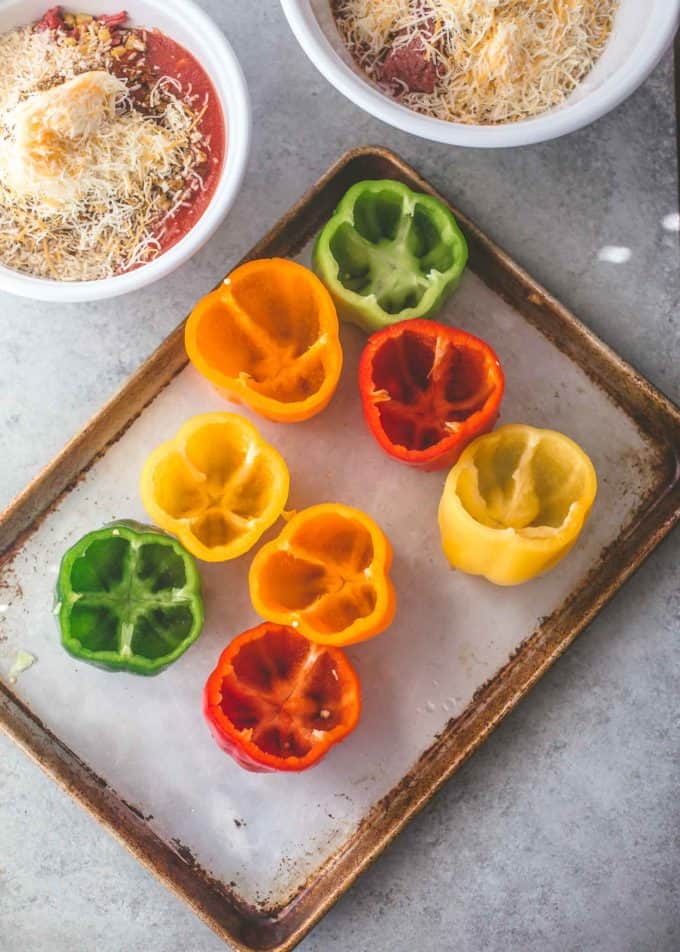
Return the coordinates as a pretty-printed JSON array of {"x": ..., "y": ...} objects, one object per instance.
[
  {"x": 187, "y": 24},
  {"x": 642, "y": 32}
]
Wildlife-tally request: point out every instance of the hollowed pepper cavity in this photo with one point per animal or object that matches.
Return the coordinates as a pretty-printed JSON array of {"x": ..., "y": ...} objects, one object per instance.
[
  {"x": 268, "y": 336},
  {"x": 217, "y": 485},
  {"x": 427, "y": 390},
  {"x": 389, "y": 254},
  {"x": 275, "y": 701},
  {"x": 326, "y": 575},
  {"x": 515, "y": 503},
  {"x": 128, "y": 599}
]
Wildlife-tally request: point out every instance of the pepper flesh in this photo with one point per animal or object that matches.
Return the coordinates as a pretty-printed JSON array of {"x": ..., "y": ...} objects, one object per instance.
[
  {"x": 128, "y": 599},
  {"x": 427, "y": 390},
  {"x": 515, "y": 503},
  {"x": 216, "y": 485},
  {"x": 327, "y": 575},
  {"x": 389, "y": 254},
  {"x": 268, "y": 336},
  {"x": 277, "y": 702}
]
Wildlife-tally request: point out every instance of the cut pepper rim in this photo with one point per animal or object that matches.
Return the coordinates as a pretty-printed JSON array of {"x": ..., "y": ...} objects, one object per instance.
[
  {"x": 579, "y": 508},
  {"x": 181, "y": 528},
  {"x": 363, "y": 627},
  {"x": 126, "y": 660},
  {"x": 217, "y": 719},
  {"x": 479, "y": 421},
  {"x": 331, "y": 354},
  {"x": 327, "y": 266}
]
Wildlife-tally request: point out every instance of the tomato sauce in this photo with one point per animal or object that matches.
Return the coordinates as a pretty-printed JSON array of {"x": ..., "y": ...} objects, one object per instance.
[
  {"x": 141, "y": 58},
  {"x": 165, "y": 57}
]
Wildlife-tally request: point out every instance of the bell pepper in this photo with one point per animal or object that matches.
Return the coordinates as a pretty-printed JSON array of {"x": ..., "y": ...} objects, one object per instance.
[
  {"x": 427, "y": 390},
  {"x": 128, "y": 599},
  {"x": 216, "y": 485},
  {"x": 389, "y": 254},
  {"x": 277, "y": 702},
  {"x": 268, "y": 337},
  {"x": 515, "y": 503},
  {"x": 326, "y": 575}
]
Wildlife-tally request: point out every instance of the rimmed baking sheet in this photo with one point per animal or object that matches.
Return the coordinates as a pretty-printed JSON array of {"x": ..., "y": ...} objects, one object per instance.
[{"x": 261, "y": 857}]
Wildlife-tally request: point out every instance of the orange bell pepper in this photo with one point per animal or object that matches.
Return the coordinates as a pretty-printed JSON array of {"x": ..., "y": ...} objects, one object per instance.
[
  {"x": 268, "y": 337},
  {"x": 217, "y": 485},
  {"x": 326, "y": 575}
]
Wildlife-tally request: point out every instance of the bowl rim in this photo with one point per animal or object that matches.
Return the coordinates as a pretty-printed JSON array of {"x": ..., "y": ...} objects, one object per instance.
[
  {"x": 550, "y": 125},
  {"x": 238, "y": 120}
]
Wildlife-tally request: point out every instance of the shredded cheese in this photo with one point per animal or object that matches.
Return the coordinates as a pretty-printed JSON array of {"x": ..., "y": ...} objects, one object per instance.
[
  {"x": 57, "y": 137},
  {"x": 86, "y": 179},
  {"x": 496, "y": 60}
]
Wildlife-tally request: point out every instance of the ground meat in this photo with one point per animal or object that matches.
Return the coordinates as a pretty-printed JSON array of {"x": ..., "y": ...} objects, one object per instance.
[
  {"x": 408, "y": 65},
  {"x": 51, "y": 20}
]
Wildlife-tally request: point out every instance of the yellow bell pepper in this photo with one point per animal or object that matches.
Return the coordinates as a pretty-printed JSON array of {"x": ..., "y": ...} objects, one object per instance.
[
  {"x": 217, "y": 485},
  {"x": 515, "y": 503},
  {"x": 327, "y": 576}
]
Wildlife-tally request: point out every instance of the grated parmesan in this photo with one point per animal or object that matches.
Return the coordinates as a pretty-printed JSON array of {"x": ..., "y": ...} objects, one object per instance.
[
  {"x": 86, "y": 179},
  {"x": 496, "y": 60}
]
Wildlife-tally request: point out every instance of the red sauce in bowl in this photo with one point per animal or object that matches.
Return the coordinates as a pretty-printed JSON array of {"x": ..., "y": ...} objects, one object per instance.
[
  {"x": 164, "y": 56},
  {"x": 141, "y": 57}
]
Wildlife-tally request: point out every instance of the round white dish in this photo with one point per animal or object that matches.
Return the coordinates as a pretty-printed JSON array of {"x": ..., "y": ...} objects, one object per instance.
[
  {"x": 642, "y": 33},
  {"x": 189, "y": 25}
]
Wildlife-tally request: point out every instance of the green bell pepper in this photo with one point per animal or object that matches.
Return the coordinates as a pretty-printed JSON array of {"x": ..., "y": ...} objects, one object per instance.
[
  {"x": 389, "y": 254},
  {"x": 128, "y": 599}
]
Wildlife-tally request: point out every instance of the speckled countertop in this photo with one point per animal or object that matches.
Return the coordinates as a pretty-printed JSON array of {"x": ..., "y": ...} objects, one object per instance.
[{"x": 562, "y": 832}]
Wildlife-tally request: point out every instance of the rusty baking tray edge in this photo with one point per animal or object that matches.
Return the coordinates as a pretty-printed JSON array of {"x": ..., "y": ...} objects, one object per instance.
[{"x": 279, "y": 931}]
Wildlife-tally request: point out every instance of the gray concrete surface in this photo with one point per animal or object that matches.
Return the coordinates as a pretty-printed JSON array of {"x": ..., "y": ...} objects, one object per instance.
[{"x": 563, "y": 832}]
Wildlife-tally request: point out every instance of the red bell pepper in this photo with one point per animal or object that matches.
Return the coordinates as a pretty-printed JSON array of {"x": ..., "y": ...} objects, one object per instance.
[
  {"x": 427, "y": 390},
  {"x": 276, "y": 701}
]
